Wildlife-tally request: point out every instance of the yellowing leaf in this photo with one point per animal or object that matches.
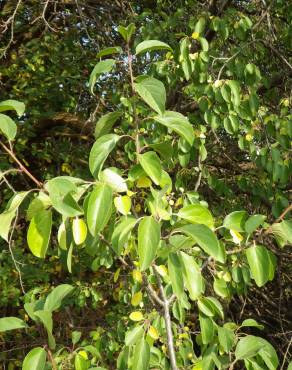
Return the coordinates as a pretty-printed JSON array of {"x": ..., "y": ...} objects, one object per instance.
[
  {"x": 195, "y": 35},
  {"x": 136, "y": 299},
  {"x": 116, "y": 275},
  {"x": 123, "y": 204},
  {"x": 236, "y": 236},
  {"x": 153, "y": 333},
  {"x": 162, "y": 270},
  {"x": 144, "y": 182},
  {"x": 79, "y": 230},
  {"x": 137, "y": 276},
  {"x": 136, "y": 316},
  {"x": 83, "y": 354}
]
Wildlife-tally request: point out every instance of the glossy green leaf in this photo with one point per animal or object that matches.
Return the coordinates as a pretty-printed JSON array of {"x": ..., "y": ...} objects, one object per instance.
[
  {"x": 206, "y": 239},
  {"x": 193, "y": 278},
  {"x": 105, "y": 123},
  {"x": 207, "y": 328},
  {"x": 55, "y": 298},
  {"x": 176, "y": 274},
  {"x": 133, "y": 335},
  {"x": 152, "y": 91},
  {"x": 100, "y": 151},
  {"x": 150, "y": 45},
  {"x": 261, "y": 264},
  {"x": 251, "y": 323},
  {"x": 104, "y": 66},
  {"x": 11, "y": 323},
  {"x": 11, "y": 104},
  {"x": 35, "y": 359},
  {"x": 226, "y": 338},
  {"x": 7, "y": 126},
  {"x": 62, "y": 191},
  {"x": 253, "y": 223},
  {"x": 9, "y": 214},
  {"x": 178, "y": 123},
  {"x": 114, "y": 180},
  {"x": 248, "y": 347},
  {"x": 99, "y": 208},
  {"x": 141, "y": 357},
  {"x": 148, "y": 241},
  {"x": 79, "y": 230},
  {"x": 109, "y": 51},
  {"x": 150, "y": 163},
  {"x": 283, "y": 232},
  {"x": 38, "y": 234},
  {"x": 197, "y": 214},
  {"x": 235, "y": 221},
  {"x": 122, "y": 232},
  {"x": 123, "y": 204},
  {"x": 46, "y": 319}
]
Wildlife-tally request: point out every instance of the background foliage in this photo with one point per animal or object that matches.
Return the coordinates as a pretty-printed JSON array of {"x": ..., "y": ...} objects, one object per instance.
[{"x": 228, "y": 70}]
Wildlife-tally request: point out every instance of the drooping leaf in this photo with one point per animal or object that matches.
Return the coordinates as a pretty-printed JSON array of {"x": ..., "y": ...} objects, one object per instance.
[
  {"x": 114, "y": 180},
  {"x": 152, "y": 91},
  {"x": 100, "y": 151},
  {"x": 193, "y": 278},
  {"x": 7, "y": 126},
  {"x": 133, "y": 335},
  {"x": 122, "y": 232},
  {"x": 261, "y": 264},
  {"x": 235, "y": 221},
  {"x": 99, "y": 208},
  {"x": 207, "y": 328},
  {"x": 9, "y": 214},
  {"x": 46, "y": 319},
  {"x": 226, "y": 338},
  {"x": 54, "y": 299},
  {"x": 248, "y": 347},
  {"x": 253, "y": 223},
  {"x": 39, "y": 231},
  {"x": 178, "y": 123},
  {"x": 150, "y": 163},
  {"x": 206, "y": 239},
  {"x": 283, "y": 232},
  {"x": 35, "y": 359},
  {"x": 141, "y": 355},
  {"x": 176, "y": 274},
  {"x": 197, "y": 214},
  {"x": 105, "y": 123},
  {"x": 150, "y": 45},
  {"x": 11, "y": 323},
  {"x": 148, "y": 241},
  {"x": 104, "y": 66},
  {"x": 11, "y": 104}
]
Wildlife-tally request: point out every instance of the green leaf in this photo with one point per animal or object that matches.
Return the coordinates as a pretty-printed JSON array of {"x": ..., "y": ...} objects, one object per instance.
[
  {"x": 193, "y": 279},
  {"x": 283, "y": 232},
  {"x": 104, "y": 66},
  {"x": 261, "y": 263},
  {"x": 152, "y": 91},
  {"x": 269, "y": 355},
  {"x": 206, "y": 239},
  {"x": 54, "y": 299},
  {"x": 178, "y": 123},
  {"x": 133, "y": 335},
  {"x": 141, "y": 357},
  {"x": 207, "y": 328},
  {"x": 10, "y": 104},
  {"x": 61, "y": 190},
  {"x": 127, "y": 32},
  {"x": 35, "y": 359},
  {"x": 100, "y": 151},
  {"x": 105, "y": 123},
  {"x": 150, "y": 163},
  {"x": 11, "y": 323},
  {"x": 248, "y": 346},
  {"x": 109, "y": 51},
  {"x": 148, "y": 241},
  {"x": 122, "y": 232},
  {"x": 253, "y": 223},
  {"x": 123, "y": 204},
  {"x": 210, "y": 306},
  {"x": 150, "y": 45},
  {"x": 175, "y": 274},
  {"x": 7, "y": 126},
  {"x": 38, "y": 234},
  {"x": 251, "y": 323},
  {"x": 235, "y": 92},
  {"x": 99, "y": 208},
  {"x": 9, "y": 214},
  {"x": 46, "y": 319},
  {"x": 114, "y": 180},
  {"x": 235, "y": 221},
  {"x": 226, "y": 338},
  {"x": 197, "y": 214}
]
